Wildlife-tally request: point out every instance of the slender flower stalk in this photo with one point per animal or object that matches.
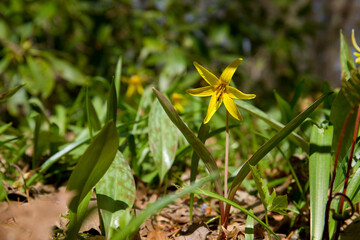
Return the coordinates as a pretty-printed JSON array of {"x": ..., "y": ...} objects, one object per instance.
[{"x": 226, "y": 156}]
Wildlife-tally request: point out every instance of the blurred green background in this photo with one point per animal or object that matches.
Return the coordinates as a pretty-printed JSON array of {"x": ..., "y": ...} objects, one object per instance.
[{"x": 59, "y": 46}]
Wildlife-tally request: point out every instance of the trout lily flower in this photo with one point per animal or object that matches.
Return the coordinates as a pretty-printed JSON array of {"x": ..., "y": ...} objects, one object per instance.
[
  {"x": 178, "y": 101},
  {"x": 134, "y": 85},
  {"x": 357, "y": 54},
  {"x": 220, "y": 90}
]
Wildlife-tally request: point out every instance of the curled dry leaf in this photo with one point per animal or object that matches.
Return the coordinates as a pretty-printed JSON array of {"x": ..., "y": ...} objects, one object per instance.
[{"x": 33, "y": 220}]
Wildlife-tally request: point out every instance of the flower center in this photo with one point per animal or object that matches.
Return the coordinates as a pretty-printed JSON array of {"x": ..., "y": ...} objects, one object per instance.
[{"x": 220, "y": 89}]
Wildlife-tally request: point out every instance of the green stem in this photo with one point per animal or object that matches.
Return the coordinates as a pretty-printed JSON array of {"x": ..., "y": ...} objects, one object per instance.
[
  {"x": 267, "y": 223},
  {"x": 226, "y": 156}
]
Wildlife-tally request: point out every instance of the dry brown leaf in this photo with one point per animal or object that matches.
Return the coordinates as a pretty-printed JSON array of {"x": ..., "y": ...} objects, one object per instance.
[
  {"x": 194, "y": 232},
  {"x": 33, "y": 220},
  {"x": 157, "y": 235},
  {"x": 233, "y": 231}
]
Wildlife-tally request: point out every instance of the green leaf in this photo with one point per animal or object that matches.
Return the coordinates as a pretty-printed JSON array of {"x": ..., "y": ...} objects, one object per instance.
[
  {"x": 77, "y": 217},
  {"x": 116, "y": 194},
  {"x": 346, "y": 59},
  {"x": 39, "y": 77},
  {"x": 293, "y": 136},
  {"x": 117, "y": 79},
  {"x": 249, "y": 227},
  {"x": 261, "y": 187},
  {"x": 195, "y": 142},
  {"x": 152, "y": 208},
  {"x": 163, "y": 139},
  {"x": 93, "y": 163},
  {"x": 319, "y": 177},
  {"x": 269, "y": 145},
  {"x": 285, "y": 108},
  {"x": 111, "y": 104},
  {"x": 279, "y": 203},
  {"x": 66, "y": 70},
  {"x": 339, "y": 112},
  {"x": 6, "y": 95},
  {"x": 353, "y": 189}
]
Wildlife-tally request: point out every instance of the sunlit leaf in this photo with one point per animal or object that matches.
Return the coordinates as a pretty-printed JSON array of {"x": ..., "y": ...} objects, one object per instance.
[
  {"x": 93, "y": 163},
  {"x": 163, "y": 139},
  {"x": 116, "y": 194},
  {"x": 319, "y": 177}
]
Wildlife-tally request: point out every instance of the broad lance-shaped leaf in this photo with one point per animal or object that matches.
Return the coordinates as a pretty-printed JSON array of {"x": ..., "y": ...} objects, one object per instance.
[
  {"x": 115, "y": 194},
  {"x": 319, "y": 177},
  {"x": 163, "y": 139},
  {"x": 93, "y": 163},
  {"x": 268, "y": 146},
  {"x": 194, "y": 141}
]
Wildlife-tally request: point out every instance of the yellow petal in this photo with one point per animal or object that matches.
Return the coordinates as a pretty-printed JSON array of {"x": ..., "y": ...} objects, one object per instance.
[
  {"x": 231, "y": 107},
  {"x": 139, "y": 89},
  {"x": 234, "y": 93},
  {"x": 201, "y": 92},
  {"x": 354, "y": 41},
  {"x": 206, "y": 75},
  {"x": 214, "y": 105},
  {"x": 130, "y": 91},
  {"x": 229, "y": 71}
]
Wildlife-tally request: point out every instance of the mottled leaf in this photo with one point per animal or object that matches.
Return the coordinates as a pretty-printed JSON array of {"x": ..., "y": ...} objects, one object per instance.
[
  {"x": 163, "y": 139},
  {"x": 116, "y": 194}
]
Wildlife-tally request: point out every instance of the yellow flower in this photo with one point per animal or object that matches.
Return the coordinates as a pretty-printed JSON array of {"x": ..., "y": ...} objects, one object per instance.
[
  {"x": 135, "y": 85},
  {"x": 220, "y": 91},
  {"x": 178, "y": 101},
  {"x": 357, "y": 54}
]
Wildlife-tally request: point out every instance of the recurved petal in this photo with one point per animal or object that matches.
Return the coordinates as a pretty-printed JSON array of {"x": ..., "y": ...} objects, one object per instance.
[
  {"x": 201, "y": 92},
  {"x": 206, "y": 75},
  {"x": 229, "y": 71},
  {"x": 214, "y": 105},
  {"x": 234, "y": 93},
  {"x": 139, "y": 89},
  {"x": 231, "y": 107},
  {"x": 354, "y": 41},
  {"x": 130, "y": 91}
]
